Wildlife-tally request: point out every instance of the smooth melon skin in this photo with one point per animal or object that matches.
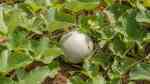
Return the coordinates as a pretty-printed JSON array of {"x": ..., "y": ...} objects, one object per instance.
[{"x": 76, "y": 46}]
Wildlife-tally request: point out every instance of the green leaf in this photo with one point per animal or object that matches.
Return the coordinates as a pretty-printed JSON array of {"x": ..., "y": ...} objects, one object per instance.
[
  {"x": 3, "y": 60},
  {"x": 140, "y": 72},
  {"x": 5, "y": 80},
  {"x": 89, "y": 0},
  {"x": 3, "y": 27},
  {"x": 84, "y": 21},
  {"x": 122, "y": 65},
  {"x": 64, "y": 17},
  {"x": 59, "y": 20},
  {"x": 18, "y": 58},
  {"x": 131, "y": 82},
  {"x": 114, "y": 81},
  {"x": 58, "y": 25},
  {"x": 109, "y": 2},
  {"x": 118, "y": 45},
  {"x": 39, "y": 24},
  {"x": 54, "y": 67},
  {"x": 77, "y": 80},
  {"x": 143, "y": 18},
  {"x": 50, "y": 54},
  {"x": 39, "y": 46},
  {"x": 90, "y": 69},
  {"x": 77, "y": 6},
  {"x": 54, "y": 51},
  {"x": 104, "y": 59},
  {"x": 118, "y": 9},
  {"x": 18, "y": 39},
  {"x": 131, "y": 27},
  {"x": 13, "y": 17},
  {"x": 43, "y": 3},
  {"x": 36, "y": 76},
  {"x": 20, "y": 73},
  {"x": 147, "y": 37},
  {"x": 32, "y": 6},
  {"x": 42, "y": 51},
  {"x": 13, "y": 59},
  {"x": 51, "y": 14},
  {"x": 99, "y": 80}
]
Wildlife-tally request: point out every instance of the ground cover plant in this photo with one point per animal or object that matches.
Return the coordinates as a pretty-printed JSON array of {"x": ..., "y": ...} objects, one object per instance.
[{"x": 30, "y": 47}]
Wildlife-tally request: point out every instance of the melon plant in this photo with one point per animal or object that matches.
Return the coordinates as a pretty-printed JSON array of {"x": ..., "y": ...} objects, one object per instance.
[{"x": 74, "y": 41}]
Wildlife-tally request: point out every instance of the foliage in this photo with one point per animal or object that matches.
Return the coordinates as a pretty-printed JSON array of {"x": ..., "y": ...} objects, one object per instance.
[{"x": 32, "y": 29}]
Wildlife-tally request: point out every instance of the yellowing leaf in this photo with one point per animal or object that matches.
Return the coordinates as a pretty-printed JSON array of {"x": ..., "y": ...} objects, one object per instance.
[{"x": 147, "y": 3}]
